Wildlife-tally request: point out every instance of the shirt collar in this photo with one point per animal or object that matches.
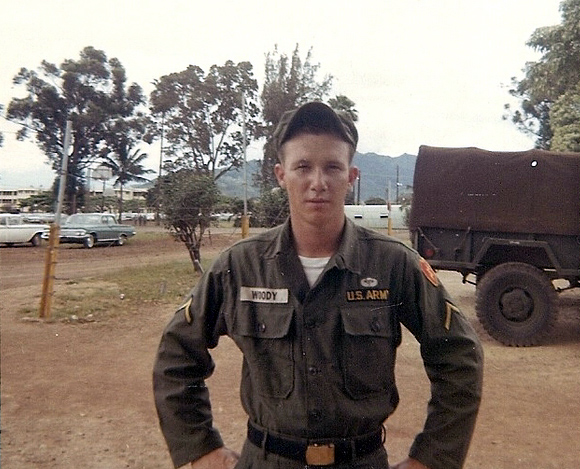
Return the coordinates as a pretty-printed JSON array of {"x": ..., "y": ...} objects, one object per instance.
[{"x": 346, "y": 257}]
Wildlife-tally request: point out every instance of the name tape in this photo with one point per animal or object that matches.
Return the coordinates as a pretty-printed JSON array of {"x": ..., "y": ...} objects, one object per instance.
[{"x": 264, "y": 295}]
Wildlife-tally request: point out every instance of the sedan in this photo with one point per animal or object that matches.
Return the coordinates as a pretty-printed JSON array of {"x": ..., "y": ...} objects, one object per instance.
[
  {"x": 14, "y": 230},
  {"x": 90, "y": 229}
]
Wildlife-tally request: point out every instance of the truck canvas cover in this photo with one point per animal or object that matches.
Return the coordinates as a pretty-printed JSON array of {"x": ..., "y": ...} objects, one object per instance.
[{"x": 531, "y": 191}]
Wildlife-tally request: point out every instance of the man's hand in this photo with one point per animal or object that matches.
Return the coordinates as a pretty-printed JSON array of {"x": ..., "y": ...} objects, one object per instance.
[
  {"x": 221, "y": 458},
  {"x": 409, "y": 463}
]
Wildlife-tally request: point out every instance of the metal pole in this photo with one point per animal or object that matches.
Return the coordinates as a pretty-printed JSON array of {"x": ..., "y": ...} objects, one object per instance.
[
  {"x": 389, "y": 221},
  {"x": 157, "y": 208},
  {"x": 245, "y": 219},
  {"x": 50, "y": 259}
]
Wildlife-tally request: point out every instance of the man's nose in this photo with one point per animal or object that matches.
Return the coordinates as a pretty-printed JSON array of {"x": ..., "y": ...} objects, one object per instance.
[{"x": 319, "y": 182}]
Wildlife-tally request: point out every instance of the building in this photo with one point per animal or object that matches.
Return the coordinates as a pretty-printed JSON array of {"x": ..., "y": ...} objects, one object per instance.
[{"x": 10, "y": 198}]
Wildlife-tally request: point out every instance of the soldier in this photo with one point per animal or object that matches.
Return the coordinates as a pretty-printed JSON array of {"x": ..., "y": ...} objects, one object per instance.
[{"x": 316, "y": 307}]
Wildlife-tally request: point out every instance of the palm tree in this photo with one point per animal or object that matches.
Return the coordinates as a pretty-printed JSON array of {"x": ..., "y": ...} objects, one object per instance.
[{"x": 126, "y": 167}]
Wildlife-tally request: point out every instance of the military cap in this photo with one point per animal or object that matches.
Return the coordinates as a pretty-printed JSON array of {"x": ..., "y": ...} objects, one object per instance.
[{"x": 315, "y": 115}]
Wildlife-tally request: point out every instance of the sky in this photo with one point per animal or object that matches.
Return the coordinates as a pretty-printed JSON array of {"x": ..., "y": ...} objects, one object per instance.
[{"x": 433, "y": 72}]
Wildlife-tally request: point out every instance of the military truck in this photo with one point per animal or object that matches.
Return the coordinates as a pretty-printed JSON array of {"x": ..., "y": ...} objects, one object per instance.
[{"x": 508, "y": 222}]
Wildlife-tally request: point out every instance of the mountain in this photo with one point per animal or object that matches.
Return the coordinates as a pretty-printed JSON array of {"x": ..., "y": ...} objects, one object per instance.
[{"x": 376, "y": 172}]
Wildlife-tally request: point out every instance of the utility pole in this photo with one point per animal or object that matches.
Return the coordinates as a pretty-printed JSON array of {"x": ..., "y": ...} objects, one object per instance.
[
  {"x": 245, "y": 219},
  {"x": 53, "y": 238},
  {"x": 157, "y": 205}
]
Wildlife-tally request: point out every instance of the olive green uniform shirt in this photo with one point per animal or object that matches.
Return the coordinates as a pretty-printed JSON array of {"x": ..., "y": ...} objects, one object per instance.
[{"x": 319, "y": 362}]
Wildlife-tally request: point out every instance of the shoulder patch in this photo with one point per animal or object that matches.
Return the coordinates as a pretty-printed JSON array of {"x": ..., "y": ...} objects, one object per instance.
[{"x": 429, "y": 272}]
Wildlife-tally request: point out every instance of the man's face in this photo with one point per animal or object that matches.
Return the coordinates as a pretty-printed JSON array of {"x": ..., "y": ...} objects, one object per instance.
[{"x": 317, "y": 175}]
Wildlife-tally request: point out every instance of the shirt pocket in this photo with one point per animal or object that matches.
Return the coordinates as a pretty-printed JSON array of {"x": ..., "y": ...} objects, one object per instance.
[
  {"x": 263, "y": 333},
  {"x": 368, "y": 351}
]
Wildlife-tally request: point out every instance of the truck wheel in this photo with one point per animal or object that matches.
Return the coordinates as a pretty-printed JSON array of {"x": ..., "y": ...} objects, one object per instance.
[{"x": 516, "y": 304}]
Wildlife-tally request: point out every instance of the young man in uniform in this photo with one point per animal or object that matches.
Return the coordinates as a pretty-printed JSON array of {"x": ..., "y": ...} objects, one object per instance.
[{"x": 316, "y": 307}]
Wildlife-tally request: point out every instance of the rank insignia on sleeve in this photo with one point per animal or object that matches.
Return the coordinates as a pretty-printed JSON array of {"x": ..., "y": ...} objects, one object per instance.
[
  {"x": 429, "y": 272},
  {"x": 449, "y": 310},
  {"x": 186, "y": 311}
]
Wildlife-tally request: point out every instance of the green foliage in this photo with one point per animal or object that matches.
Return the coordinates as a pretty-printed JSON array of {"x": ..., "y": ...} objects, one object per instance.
[
  {"x": 551, "y": 79},
  {"x": 272, "y": 208},
  {"x": 289, "y": 82},
  {"x": 342, "y": 103},
  {"x": 188, "y": 200},
  {"x": 44, "y": 202},
  {"x": 90, "y": 92},
  {"x": 565, "y": 120},
  {"x": 126, "y": 167},
  {"x": 201, "y": 117}
]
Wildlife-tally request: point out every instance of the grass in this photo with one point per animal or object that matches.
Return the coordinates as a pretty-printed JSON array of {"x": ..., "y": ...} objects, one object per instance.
[{"x": 121, "y": 293}]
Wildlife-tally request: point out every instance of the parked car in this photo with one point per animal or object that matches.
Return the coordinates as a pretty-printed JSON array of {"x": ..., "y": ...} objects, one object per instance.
[
  {"x": 15, "y": 230},
  {"x": 89, "y": 229}
]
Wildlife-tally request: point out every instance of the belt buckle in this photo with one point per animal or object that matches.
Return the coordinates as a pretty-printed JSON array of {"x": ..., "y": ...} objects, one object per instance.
[{"x": 320, "y": 454}]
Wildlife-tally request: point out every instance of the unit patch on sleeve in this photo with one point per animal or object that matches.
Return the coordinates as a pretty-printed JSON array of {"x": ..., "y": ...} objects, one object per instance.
[
  {"x": 264, "y": 295},
  {"x": 429, "y": 272},
  {"x": 367, "y": 294}
]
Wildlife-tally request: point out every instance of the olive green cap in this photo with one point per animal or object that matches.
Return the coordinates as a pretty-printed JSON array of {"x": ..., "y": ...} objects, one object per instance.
[{"x": 315, "y": 115}]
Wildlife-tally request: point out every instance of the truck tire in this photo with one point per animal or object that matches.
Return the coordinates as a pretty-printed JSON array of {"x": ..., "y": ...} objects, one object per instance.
[{"x": 516, "y": 304}]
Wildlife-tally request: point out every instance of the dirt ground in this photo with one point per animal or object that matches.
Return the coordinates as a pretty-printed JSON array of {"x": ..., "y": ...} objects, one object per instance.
[{"x": 79, "y": 395}]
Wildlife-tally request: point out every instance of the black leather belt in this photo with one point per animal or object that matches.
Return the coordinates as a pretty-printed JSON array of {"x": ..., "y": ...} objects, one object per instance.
[{"x": 316, "y": 453}]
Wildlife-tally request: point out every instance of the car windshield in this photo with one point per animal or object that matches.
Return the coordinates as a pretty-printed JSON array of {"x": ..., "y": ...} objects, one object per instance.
[{"x": 83, "y": 219}]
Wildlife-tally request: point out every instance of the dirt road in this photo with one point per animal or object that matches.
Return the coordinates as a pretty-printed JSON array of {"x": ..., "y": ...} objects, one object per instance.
[{"x": 79, "y": 395}]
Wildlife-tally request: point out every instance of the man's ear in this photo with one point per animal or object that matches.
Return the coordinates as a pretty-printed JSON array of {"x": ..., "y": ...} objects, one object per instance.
[
  {"x": 279, "y": 172},
  {"x": 352, "y": 174}
]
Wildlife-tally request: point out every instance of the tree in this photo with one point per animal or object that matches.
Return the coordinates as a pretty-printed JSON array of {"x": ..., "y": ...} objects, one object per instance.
[
  {"x": 288, "y": 83},
  {"x": 344, "y": 104},
  {"x": 202, "y": 116},
  {"x": 188, "y": 199},
  {"x": 122, "y": 135},
  {"x": 126, "y": 167},
  {"x": 556, "y": 74},
  {"x": 89, "y": 92},
  {"x": 565, "y": 120},
  {"x": 272, "y": 208}
]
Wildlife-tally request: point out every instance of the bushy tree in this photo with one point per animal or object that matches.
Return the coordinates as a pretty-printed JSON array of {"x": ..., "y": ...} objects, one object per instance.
[
  {"x": 90, "y": 92},
  {"x": 565, "y": 121},
  {"x": 188, "y": 198},
  {"x": 201, "y": 116},
  {"x": 272, "y": 208},
  {"x": 553, "y": 79}
]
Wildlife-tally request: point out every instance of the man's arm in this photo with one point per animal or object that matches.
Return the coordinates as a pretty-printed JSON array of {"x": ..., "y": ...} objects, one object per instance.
[
  {"x": 182, "y": 365},
  {"x": 453, "y": 360}
]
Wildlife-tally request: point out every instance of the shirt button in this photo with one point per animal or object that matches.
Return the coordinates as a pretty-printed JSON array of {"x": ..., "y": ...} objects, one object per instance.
[
  {"x": 262, "y": 327},
  {"x": 375, "y": 325},
  {"x": 315, "y": 415},
  {"x": 313, "y": 370}
]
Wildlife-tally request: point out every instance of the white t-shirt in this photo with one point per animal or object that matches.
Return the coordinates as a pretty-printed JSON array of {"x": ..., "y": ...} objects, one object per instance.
[{"x": 313, "y": 267}]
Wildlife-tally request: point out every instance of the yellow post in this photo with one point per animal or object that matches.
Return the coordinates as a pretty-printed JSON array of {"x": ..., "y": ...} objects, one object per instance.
[
  {"x": 49, "y": 267},
  {"x": 245, "y": 226}
]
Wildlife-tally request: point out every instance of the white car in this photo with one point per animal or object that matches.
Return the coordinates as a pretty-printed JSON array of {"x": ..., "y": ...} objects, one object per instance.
[{"x": 15, "y": 230}]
